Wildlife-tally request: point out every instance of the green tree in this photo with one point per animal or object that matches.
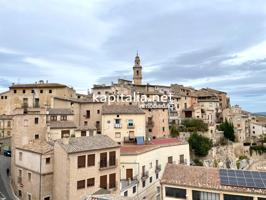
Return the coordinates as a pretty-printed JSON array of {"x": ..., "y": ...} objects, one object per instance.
[
  {"x": 193, "y": 125},
  {"x": 173, "y": 130},
  {"x": 200, "y": 144},
  {"x": 228, "y": 129}
]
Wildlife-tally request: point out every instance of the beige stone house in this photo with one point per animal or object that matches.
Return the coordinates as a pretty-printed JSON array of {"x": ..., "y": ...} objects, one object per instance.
[
  {"x": 123, "y": 123},
  {"x": 191, "y": 182},
  {"x": 85, "y": 165},
  {"x": 141, "y": 166},
  {"x": 5, "y": 126},
  {"x": 34, "y": 171}
]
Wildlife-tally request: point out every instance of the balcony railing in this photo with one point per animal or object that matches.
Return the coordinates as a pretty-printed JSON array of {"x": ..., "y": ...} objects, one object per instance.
[
  {"x": 158, "y": 168},
  {"x": 117, "y": 125},
  {"x": 144, "y": 175},
  {"x": 112, "y": 163}
]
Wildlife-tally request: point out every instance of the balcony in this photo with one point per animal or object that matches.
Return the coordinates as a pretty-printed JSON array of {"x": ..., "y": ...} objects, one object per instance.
[
  {"x": 117, "y": 125},
  {"x": 104, "y": 165},
  {"x": 158, "y": 168},
  {"x": 144, "y": 175}
]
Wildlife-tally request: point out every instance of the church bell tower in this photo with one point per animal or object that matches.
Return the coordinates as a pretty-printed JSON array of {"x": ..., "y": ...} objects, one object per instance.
[{"x": 137, "y": 71}]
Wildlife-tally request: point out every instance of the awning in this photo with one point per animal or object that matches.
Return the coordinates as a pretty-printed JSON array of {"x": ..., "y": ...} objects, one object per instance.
[{"x": 140, "y": 140}]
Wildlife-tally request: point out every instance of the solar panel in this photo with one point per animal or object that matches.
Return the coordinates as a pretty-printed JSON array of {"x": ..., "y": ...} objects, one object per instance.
[{"x": 240, "y": 178}]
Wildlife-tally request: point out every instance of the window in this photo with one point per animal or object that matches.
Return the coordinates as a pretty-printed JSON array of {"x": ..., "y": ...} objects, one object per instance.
[
  {"x": 236, "y": 197},
  {"x": 85, "y": 123},
  {"x": 88, "y": 114},
  {"x": 80, "y": 184},
  {"x": 181, "y": 159},
  {"x": 36, "y": 136},
  {"x": 151, "y": 179},
  {"x": 134, "y": 189},
  {"x": 198, "y": 195},
  {"x": 50, "y": 91},
  {"x": 47, "y": 160},
  {"x": 91, "y": 160},
  {"x": 175, "y": 192},
  {"x": 53, "y": 118},
  {"x": 46, "y": 198},
  {"x": 99, "y": 92},
  {"x": 15, "y": 91},
  {"x": 90, "y": 182},
  {"x": 41, "y": 91},
  {"x": 103, "y": 160},
  {"x": 63, "y": 117},
  {"x": 29, "y": 176},
  {"x": 36, "y": 120},
  {"x": 143, "y": 183},
  {"x": 112, "y": 158},
  {"x": 81, "y": 161},
  {"x": 98, "y": 112},
  {"x": 65, "y": 133},
  {"x": 157, "y": 175},
  {"x": 8, "y": 124},
  {"x": 83, "y": 133},
  {"x": 117, "y": 135},
  {"x": 112, "y": 180},
  {"x": 20, "y": 156},
  {"x": 29, "y": 196},
  {"x": 170, "y": 159},
  {"x": 130, "y": 123},
  {"x": 19, "y": 193},
  {"x": 32, "y": 91},
  {"x": 24, "y": 91},
  {"x": 150, "y": 130},
  {"x": 125, "y": 194},
  {"x": 163, "y": 129}
]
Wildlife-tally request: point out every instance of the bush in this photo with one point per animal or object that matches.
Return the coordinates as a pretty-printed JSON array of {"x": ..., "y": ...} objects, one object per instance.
[
  {"x": 194, "y": 125},
  {"x": 173, "y": 130},
  {"x": 200, "y": 144},
  {"x": 228, "y": 129},
  {"x": 198, "y": 162}
]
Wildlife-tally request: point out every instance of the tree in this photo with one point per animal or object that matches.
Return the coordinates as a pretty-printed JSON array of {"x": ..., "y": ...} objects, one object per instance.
[
  {"x": 228, "y": 129},
  {"x": 173, "y": 130},
  {"x": 193, "y": 125},
  {"x": 200, "y": 144}
]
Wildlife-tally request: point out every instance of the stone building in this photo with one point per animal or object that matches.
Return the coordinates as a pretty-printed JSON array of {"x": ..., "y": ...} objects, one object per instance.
[
  {"x": 5, "y": 126},
  {"x": 141, "y": 166},
  {"x": 123, "y": 123},
  {"x": 85, "y": 165}
]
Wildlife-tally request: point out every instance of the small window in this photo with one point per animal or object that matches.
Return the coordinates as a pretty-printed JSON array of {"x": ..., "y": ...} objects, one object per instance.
[
  {"x": 83, "y": 133},
  {"x": 170, "y": 159},
  {"x": 2, "y": 97},
  {"x": 150, "y": 130},
  {"x": 80, "y": 184},
  {"x": 29, "y": 196},
  {"x": 53, "y": 118},
  {"x": 88, "y": 114},
  {"x": 46, "y": 198},
  {"x": 32, "y": 91},
  {"x": 85, "y": 123},
  {"x": 24, "y": 91},
  {"x": 63, "y": 117},
  {"x": 151, "y": 179},
  {"x": 98, "y": 111},
  {"x": 163, "y": 129},
  {"x": 90, "y": 182},
  {"x": 117, "y": 135},
  {"x": 157, "y": 175},
  {"x": 134, "y": 189},
  {"x": 29, "y": 176},
  {"x": 36, "y": 136},
  {"x": 20, "y": 193},
  {"x": 41, "y": 91},
  {"x": 36, "y": 120},
  {"x": 143, "y": 184},
  {"x": 20, "y": 156},
  {"x": 15, "y": 91},
  {"x": 47, "y": 160},
  {"x": 5, "y": 97},
  {"x": 91, "y": 160},
  {"x": 125, "y": 194},
  {"x": 81, "y": 161},
  {"x": 50, "y": 91},
  {"x": 99, "y": 93}
]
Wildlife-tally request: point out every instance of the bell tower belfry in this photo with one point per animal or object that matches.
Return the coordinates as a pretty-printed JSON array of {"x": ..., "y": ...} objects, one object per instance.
[{"x": 137, "y": 71}]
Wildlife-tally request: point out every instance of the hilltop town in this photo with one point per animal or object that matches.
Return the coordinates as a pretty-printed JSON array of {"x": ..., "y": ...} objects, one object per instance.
[{"x": 130, "y": 140}]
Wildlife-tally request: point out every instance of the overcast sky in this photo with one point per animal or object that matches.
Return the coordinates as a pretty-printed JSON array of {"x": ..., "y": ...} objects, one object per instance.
[{"x": 212, "y": 43}]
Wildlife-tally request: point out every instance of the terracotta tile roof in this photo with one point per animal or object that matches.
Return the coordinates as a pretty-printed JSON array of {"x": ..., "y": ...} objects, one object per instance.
[
  {"x": 38, "y": 85},
  {"x": 121, "y": 109},
  {"x": 60, "y": 111},
  {"x": 88, "y": 143},
  {"x": 160, "y": 141},
  {"x": 200, "y": 177},
  {"x": 38, "y": 146},
  {"x": 61, "y": 124}
]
